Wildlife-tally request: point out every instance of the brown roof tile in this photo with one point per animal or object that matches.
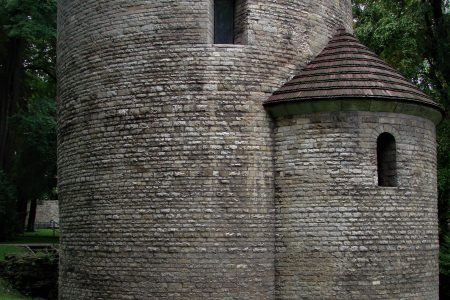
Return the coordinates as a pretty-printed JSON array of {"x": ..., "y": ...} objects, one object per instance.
[{"x": 348, "y": 69}]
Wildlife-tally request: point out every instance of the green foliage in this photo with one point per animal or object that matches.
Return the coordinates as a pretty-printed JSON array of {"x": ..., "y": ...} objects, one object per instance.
[
  {"x": 30, "y": 18},
  {"x": 444, "y": 266},
  {"x": 39, "y": 236},
  {"x": 9, "y": 250},
  {"x": 7, "y": 208},
  {"x": 35, "y": 161},
  {"x": 391, "y": 29},
  {"x": 42, "y": 233},
  {"x": 445, "y": 256},
  {"x": 444, "y": 177},
  {"x": 410, "y": 36},
  {"x": 34, "y": 22},
  {"x": 28, "y": 87}
]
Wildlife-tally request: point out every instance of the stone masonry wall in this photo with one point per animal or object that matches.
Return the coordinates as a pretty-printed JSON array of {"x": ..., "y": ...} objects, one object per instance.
[
  {"x": 339, "y": 234},
  {"x": 46, "y": 211},
  {"x": 165, "y": 150}
]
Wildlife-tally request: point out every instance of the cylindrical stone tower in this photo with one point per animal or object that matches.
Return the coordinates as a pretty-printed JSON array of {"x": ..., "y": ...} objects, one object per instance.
[
  {"x": 166, "y": 178},
  {"x": 355, "y": 165}
]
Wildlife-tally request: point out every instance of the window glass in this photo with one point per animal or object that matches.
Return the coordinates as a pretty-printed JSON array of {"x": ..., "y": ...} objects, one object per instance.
[{"x": 224, "y": 21}]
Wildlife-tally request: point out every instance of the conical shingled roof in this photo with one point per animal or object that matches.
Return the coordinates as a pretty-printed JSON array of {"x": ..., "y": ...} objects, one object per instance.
[{"x": 348, "y": 69}]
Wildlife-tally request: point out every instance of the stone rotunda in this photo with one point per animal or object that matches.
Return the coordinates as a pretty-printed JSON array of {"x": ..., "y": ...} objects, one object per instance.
[
  {"x": 355, "y": 180},
  {"x": 247, "y": 149}
]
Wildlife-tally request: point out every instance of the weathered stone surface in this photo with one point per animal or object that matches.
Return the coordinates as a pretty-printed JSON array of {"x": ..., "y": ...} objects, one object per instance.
[
  {"x": 166, "y": 163},
  {"x": 47, "y": 211},
  {"x": 165, "y": 157},
  {"x": 339, "y": 234}
]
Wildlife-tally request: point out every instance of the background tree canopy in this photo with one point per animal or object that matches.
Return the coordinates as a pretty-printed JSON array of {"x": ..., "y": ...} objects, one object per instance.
[{"x": 27, "y": 102}]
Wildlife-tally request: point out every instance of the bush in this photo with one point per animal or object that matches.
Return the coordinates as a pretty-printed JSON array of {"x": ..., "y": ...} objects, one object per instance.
[
  {"x": 32, "y": 275},
  {"x": 7, "y": 208}
]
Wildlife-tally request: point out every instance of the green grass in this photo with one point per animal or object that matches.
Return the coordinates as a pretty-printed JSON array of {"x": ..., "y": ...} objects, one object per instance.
[
  {"x": 6, "y": 249},
  {"x": 42, "y": 233},
  {"x": 39, "y": 236}
]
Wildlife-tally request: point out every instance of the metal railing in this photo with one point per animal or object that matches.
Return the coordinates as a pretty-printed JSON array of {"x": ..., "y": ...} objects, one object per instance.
[{"x": 47, "y": 225}]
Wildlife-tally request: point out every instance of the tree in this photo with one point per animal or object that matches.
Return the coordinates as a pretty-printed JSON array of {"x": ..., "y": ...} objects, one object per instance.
[
  {"x": 7, "y": 207},
  {"x": 414, "y": 37},
  {"x": 35, "y": 159},
  {"x": 27, "y": 86},
  {"x": 11, "y": 75}
]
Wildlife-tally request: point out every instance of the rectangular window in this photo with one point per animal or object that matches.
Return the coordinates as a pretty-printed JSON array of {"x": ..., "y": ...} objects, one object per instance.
[{"x": 224, "y": 27}]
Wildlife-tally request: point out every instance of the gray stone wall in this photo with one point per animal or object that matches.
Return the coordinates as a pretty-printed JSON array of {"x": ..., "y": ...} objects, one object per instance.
[
  {"x": 165, "y": 150},
  {"x": 339, "y": 234},
  {"x": 46, "y": 211}
]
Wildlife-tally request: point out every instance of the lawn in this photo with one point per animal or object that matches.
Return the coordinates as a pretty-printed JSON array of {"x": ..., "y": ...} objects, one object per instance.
[
  {"x": 39, "y": 236},
  {"x": 43, "y": 233},
  {"x": 7, "y": 249}
]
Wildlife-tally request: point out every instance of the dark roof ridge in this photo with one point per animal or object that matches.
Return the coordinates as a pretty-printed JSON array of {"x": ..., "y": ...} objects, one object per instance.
[
  {"x": 357, "y": 96},
  {"x": 405, "y": 84},
  {"x": 317, "y": 67},
  {"x": 339, "y": 73},
  {"x": 356, "y": 87},
  {"x": 346, "y": 50},
  {"x": 339, "y": 59}
]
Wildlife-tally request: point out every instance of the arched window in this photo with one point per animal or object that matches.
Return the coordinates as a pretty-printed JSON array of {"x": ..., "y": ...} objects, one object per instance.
[
  {"x": 224, "y": 15},
  {"x": 387, "y": 160}
]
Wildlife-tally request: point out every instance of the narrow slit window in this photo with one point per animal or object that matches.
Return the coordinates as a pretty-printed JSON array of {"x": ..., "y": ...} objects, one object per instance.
[
  {"x": 387, "y": 160},
  {"x": 224, "y": 15}
]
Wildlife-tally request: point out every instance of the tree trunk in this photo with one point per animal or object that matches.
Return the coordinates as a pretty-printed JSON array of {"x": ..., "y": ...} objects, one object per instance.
[
  {"x": 32, "y": 216},
  {"x": 21, "y": 213},
  {"x": 11, "y": 77},
  {"x": 11, "y": 96}
]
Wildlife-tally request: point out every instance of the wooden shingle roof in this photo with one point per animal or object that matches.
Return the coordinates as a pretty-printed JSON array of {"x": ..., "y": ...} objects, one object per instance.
[{"x": 348, "y": 69}]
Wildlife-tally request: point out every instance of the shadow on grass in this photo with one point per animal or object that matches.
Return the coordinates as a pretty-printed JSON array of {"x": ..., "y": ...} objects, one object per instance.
[
  {"x": 39, "y": 236},
  {"x": 8, "y": 293}
]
